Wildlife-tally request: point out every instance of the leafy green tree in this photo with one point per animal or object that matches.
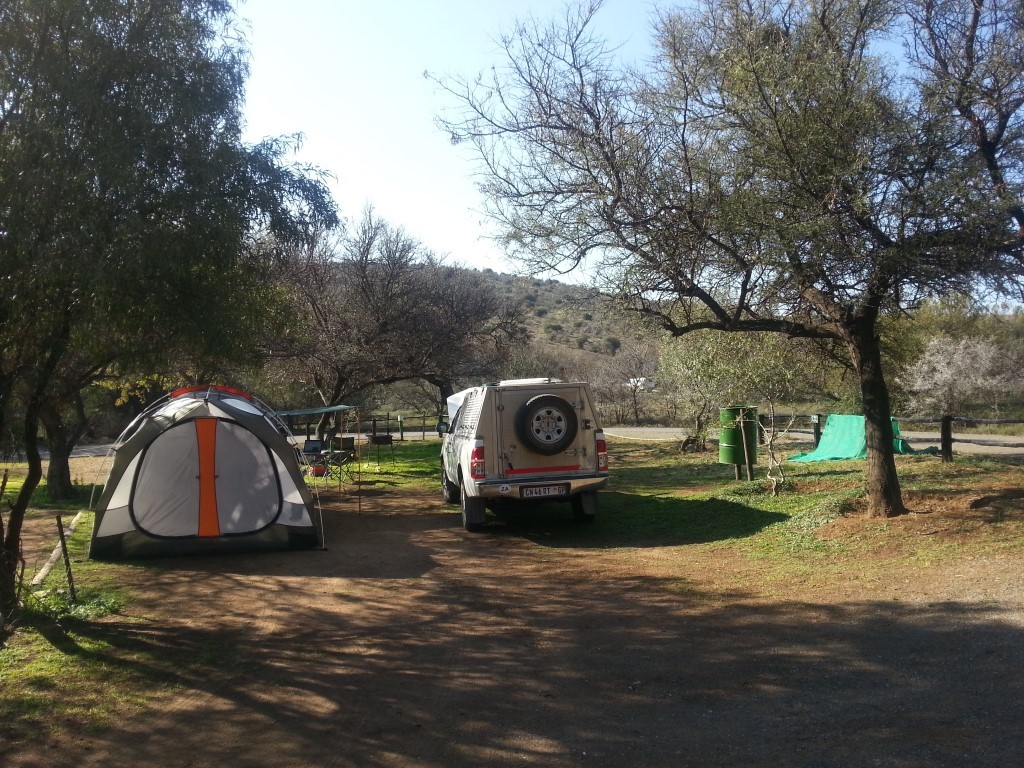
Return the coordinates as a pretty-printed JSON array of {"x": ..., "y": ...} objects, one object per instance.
[
  {"x": 708, "y": 370},
  {"x": 780, "y": 168},
  {"x": 128, "y": 203}
]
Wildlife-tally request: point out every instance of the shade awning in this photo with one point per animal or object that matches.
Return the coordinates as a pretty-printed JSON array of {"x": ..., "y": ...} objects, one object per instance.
[{"x": 316, "y": 411}]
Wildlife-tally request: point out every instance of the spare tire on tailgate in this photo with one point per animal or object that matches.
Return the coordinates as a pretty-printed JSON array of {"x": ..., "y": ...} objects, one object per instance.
[{"x": 546, "y": 424}]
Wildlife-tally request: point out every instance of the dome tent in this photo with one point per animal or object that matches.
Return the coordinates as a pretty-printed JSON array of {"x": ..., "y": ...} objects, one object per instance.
[{"x": 208, "y": 470}]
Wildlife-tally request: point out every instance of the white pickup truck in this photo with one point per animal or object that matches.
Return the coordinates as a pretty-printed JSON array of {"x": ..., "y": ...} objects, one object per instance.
[{"x": 522, "y": 440}]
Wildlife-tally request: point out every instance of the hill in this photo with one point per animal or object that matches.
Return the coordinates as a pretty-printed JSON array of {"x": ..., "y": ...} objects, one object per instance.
[{"x": 562, "y": 315}]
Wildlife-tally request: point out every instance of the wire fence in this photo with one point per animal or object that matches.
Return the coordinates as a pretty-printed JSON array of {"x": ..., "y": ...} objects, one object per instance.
[{"x": 421, "y": 426}]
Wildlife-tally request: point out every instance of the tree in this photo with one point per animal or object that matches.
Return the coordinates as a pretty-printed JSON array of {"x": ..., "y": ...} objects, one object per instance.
[
  {"x": 379, "y": 308},
  {"x": 952, "y": 375},
  {"x": 634, "y": 365},
  {"x": 468, "y": 327},
  {"x": 417, "y": 396},
  {"x": 705, "y": 371},
  {"x": 777, "y": 169},
  {"x": 64, "y": 421},
  {"x": 128, "y": 204}
]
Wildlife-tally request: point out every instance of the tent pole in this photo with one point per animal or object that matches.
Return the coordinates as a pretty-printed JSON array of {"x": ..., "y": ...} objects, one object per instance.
[
  {"x": 359, "y": 465},
  {"x": 323, "y": 534}
]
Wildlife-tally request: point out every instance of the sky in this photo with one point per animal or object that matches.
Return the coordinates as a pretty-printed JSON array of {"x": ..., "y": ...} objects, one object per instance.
[{"x": 349, "y": 76}]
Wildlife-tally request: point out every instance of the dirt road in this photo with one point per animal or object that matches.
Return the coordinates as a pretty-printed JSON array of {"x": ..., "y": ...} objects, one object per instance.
[{"x": 409, "y": 642}]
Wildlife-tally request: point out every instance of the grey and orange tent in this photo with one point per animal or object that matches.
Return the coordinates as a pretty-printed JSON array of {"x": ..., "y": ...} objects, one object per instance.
[{"x": 206, "y": 470}]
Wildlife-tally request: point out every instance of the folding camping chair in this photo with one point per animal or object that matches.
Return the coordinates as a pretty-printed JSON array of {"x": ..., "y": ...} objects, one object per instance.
[
  {"x": 340, "y": 458},
  {"x": 315, "y": 459}
]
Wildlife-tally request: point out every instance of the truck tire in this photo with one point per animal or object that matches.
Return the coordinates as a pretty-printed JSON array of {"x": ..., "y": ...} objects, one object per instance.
[
  {"x": 546, "y": 424},
  {"x": 449, "y": 490},
  {"x": 584, "y": 507},
  {"x": 474, "y": 511}
]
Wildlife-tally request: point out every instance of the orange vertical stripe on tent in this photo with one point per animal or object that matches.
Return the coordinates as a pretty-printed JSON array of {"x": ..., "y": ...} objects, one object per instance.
[{"x": 206, "y": 439}]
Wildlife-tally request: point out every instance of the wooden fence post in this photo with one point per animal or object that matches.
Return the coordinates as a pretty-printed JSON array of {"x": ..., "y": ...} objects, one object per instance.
[
  {"x": 67, "y": 559},
  {"x": 946, "y": 438}
]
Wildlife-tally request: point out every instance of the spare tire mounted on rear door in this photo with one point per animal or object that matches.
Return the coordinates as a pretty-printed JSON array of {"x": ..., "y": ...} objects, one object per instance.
[{"x": 546, "y": 423}]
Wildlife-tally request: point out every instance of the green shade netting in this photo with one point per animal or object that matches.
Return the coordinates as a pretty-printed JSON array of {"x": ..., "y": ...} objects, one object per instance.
[{"x": 843, "y": 438}]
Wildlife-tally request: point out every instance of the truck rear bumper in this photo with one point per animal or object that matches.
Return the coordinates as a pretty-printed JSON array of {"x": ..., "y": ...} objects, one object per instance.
[{"x": 551, "y": 487}]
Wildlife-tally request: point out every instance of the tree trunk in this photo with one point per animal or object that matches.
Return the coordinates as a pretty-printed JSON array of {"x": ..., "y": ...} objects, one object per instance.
[
  {"x": 60, "y": 441},
  {"x": 882, "y": 483},
  {"x": 58, "y": 474},
  {"x": 446, "y": 389},
  {"x": 10, "y": 554},
  {"x": 323, "y": 426}
]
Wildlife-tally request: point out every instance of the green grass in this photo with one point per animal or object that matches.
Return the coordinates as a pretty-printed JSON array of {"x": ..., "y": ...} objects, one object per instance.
[
  {"x": 411, "y": 464},
  {"x": 660, "y": 497},
  {"x": 53, "y": 667},
  {"x": 97, "y": 590}
]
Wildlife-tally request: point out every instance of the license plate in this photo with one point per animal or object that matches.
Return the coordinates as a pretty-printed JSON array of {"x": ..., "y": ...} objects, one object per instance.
[{"x": 542, "y": 491}]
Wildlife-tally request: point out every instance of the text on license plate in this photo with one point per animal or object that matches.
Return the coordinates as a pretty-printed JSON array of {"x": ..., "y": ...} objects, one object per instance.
[{"x": 541, "y": 491}]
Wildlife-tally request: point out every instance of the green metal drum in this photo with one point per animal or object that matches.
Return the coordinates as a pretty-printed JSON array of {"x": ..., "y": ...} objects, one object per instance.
[{"x": 738, "y": 423}]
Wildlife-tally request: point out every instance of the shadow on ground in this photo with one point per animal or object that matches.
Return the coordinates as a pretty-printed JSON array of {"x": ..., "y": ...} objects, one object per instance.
[
  {"x": 410, "y": 643},
  {"x": 633, "y": 520}
]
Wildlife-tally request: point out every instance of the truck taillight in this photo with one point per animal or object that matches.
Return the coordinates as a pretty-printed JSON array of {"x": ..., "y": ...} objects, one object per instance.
[
  {"x": 602, "y": 453},
  {"x": 476, "y": 463}
]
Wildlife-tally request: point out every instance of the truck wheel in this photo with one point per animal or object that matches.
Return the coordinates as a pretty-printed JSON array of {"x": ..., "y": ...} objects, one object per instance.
[
  {"x": 474, "y": 512},
  {"x": 449, "y": 490},
  {"x": 584, "y": 507},
  {"x": 547, "y": 424}
]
